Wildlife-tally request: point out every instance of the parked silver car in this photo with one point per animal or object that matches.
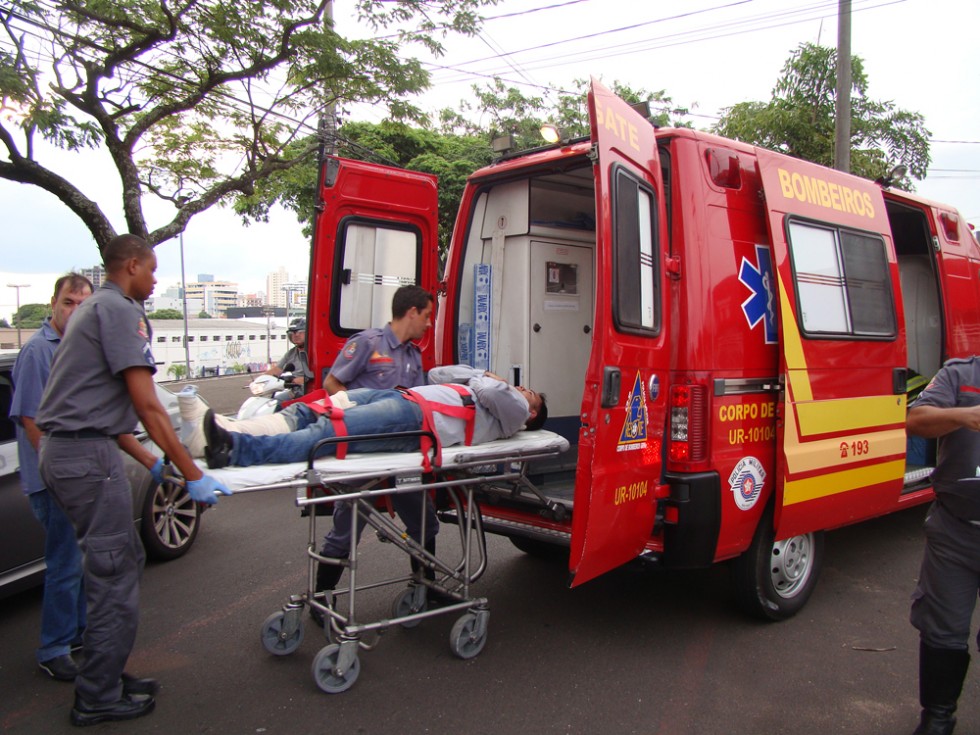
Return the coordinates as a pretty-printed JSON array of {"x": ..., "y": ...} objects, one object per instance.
[{"x": 167, "y": 517}]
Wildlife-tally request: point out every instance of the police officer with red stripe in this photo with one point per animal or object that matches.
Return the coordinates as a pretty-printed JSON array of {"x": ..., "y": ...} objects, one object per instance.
[{"x": 943, "y": 601}]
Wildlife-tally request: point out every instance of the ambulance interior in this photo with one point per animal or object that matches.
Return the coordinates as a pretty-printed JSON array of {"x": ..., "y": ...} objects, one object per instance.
[
  {"x": 533, "y": 316},
  {"x": 527, "y": 297},
  {"x": 923, "y": 318}
]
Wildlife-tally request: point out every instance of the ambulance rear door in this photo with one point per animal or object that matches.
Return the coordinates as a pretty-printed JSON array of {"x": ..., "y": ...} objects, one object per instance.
[
  {"x": 623, "y": 409},
  {"x": 843, "y": 357},
  {"x": 376, "y": 230}
]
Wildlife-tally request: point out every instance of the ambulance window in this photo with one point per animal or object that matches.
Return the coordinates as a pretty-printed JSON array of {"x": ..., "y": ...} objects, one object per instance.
[
  {"x": 842, "y": 281},
  {"x": 375, "y": 259},
  {"x": 636, "y": 272}
]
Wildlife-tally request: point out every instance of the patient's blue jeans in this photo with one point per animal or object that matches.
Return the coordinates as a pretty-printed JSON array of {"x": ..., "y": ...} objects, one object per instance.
[{"x": 376, "y": 412}]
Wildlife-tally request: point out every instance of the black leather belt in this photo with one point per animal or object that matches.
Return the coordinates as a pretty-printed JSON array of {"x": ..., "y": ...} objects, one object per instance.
[{"x": 81, "y": 434}]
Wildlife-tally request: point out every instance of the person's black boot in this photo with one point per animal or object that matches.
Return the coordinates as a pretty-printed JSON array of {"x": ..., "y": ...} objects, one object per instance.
[
  {"x": 941, "y": 675},
  {"x": 327, "y": 576},
  {"x": 434, "y": 598},
  {"x": 218, "y": 443}
]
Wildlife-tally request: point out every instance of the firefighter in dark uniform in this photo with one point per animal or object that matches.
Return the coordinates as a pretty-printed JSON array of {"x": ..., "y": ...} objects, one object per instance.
[
  {"x": 101, "y": 381},
  {"x": 943, "y": 601}
]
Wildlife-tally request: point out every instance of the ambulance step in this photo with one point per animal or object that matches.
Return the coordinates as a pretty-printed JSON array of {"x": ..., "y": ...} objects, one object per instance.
[{"x": 506, "y": 527}]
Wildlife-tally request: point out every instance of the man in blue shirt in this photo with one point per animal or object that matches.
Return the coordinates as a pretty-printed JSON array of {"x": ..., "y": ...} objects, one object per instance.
[{"x": 63, "y": 607}]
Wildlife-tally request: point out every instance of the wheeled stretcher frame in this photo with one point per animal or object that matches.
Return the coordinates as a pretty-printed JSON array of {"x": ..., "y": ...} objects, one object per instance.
[{"x": 462, "y": 476}]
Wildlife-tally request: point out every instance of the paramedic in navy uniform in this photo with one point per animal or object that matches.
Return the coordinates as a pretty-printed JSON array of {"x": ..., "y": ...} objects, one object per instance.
[
  {"x": 387, "y": 357},
  {"x": 101, "y": 381},
  {"x": 943, "y": 601},
  {"x": 381, "y": 358}
]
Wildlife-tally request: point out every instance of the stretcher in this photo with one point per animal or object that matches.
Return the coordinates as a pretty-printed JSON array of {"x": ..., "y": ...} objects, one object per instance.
[{"x": 367, "y": 480}]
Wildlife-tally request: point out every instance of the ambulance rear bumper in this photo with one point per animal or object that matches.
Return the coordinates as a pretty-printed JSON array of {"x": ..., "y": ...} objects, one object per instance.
[{"x": 690, "y": 543}]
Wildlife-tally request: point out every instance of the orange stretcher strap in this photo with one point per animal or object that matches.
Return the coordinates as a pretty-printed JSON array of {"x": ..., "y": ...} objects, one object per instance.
[
  {"x": 319, "y": 402},
  {"x": 466, "y": 412}
]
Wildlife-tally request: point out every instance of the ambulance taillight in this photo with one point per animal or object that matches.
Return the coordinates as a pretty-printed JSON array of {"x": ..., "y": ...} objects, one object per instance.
[{"x": 688, "y": 423}]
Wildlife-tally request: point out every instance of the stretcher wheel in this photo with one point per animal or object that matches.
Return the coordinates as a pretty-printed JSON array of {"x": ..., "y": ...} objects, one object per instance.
[
  {"x": 404, "y": 604},
  {"x": 271, "y": 635},
  {"x": 324, "y": 671},
  {"x": 465, "y": 638}
]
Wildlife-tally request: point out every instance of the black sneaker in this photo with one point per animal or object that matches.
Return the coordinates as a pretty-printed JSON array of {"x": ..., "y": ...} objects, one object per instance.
[
  {"x": 60, "y": 668},
  {"x": 218, "y": 443},
  {"x": 127, "y": 707}
]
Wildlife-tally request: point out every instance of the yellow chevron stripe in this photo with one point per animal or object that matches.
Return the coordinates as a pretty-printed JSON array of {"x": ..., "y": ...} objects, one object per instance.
[
  {"x": 834, "y": 483},
  {"x": 865, "y": 413},
  {"x": 825, "y": 454},
  {"x": 796, "y": 372}
]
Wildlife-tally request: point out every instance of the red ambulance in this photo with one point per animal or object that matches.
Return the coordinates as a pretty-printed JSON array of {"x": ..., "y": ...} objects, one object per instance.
[{"x": 724, "y": 334}]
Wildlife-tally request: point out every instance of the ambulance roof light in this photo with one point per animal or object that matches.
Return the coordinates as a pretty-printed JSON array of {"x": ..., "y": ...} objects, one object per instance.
[
  {"x": 503, "y": 143},
  {"x": 550, "y": 133}
]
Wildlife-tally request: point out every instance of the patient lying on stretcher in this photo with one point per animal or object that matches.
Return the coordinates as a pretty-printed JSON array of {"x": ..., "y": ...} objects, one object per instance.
[{"x": 484, "y": 409}]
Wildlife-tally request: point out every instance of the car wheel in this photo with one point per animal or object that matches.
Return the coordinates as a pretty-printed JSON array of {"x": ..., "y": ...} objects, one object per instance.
[{"x": 170, "y": 521}]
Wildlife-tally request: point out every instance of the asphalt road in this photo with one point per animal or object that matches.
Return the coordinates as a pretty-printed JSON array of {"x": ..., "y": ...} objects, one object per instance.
[{"x": 636, "y": 651}]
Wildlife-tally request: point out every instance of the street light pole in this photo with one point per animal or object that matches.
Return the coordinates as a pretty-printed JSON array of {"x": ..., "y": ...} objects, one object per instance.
[
  {"x": 18, "y": 286},
  {"x": 183, "y": 291}
]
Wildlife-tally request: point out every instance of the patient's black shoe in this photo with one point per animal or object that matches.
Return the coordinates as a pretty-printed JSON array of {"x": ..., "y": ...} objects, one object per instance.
[{"x": 218, "y": 443}]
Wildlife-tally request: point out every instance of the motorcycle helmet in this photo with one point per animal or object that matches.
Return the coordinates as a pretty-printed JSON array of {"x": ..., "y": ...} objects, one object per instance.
[{"x": 297, "y": 325}]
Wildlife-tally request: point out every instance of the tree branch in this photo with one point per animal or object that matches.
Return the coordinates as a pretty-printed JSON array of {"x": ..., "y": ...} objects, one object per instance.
[
  {"x": 25, "y": 171},
  {"x": 244, "y": 184}
]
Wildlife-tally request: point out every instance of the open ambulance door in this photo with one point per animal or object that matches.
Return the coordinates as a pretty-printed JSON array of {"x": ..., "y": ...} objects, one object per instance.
[
  {"x": 841, "y": 432},
  {"x": 376, "y": 230},
  {"x": 623, "y": 409}
]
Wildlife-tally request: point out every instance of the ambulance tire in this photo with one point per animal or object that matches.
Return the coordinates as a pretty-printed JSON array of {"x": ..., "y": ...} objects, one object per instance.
[{"x": 774, "y": 580}]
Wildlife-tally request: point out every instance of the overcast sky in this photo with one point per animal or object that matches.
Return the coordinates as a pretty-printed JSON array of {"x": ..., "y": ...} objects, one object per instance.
[{"x": 924, "y": 55}]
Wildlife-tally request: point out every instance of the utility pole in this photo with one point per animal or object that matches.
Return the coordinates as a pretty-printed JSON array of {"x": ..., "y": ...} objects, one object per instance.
[
  {"x": 183, "y": 291},
  {"x": 18, "y": 286},
  {"x": 328, "y": 122},
  {"x": 842, "y": 129}
]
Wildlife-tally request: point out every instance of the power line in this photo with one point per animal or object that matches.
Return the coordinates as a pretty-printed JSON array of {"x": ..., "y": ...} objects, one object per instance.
[{"x": 766, "y": 21}]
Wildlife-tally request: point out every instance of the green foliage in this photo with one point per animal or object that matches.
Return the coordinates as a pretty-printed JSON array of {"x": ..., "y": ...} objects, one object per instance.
[
  {"x": 4, "y": 324},
  {"x": 450, "y": 157},
  {"x": 459, "y": 146},
  {"x": 30, "y": 316},
  {"x": 203, "y": 315},
  {"x": 197, "y": 102},
  {"x": 177, "y": 370},
  {"x": 165, "y": 314},
  {"x": 799, "y": 119},
  {"x": 498, "y": 110}
]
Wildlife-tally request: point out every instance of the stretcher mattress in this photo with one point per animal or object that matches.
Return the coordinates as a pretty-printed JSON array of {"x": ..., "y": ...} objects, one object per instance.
[{"x": 331, "y": 469}]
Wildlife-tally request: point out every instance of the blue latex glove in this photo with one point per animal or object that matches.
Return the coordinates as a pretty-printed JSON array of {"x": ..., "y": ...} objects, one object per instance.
[
  {"x": 203, "y": 490},
  {"x": 157, "y": 471}
]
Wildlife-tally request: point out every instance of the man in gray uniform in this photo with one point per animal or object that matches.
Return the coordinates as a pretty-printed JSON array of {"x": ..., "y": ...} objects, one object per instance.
[
  {"x": 943, "y": 601},
  {"x": 101, "y": 381},
  {"x": 295, "y": 358}
]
